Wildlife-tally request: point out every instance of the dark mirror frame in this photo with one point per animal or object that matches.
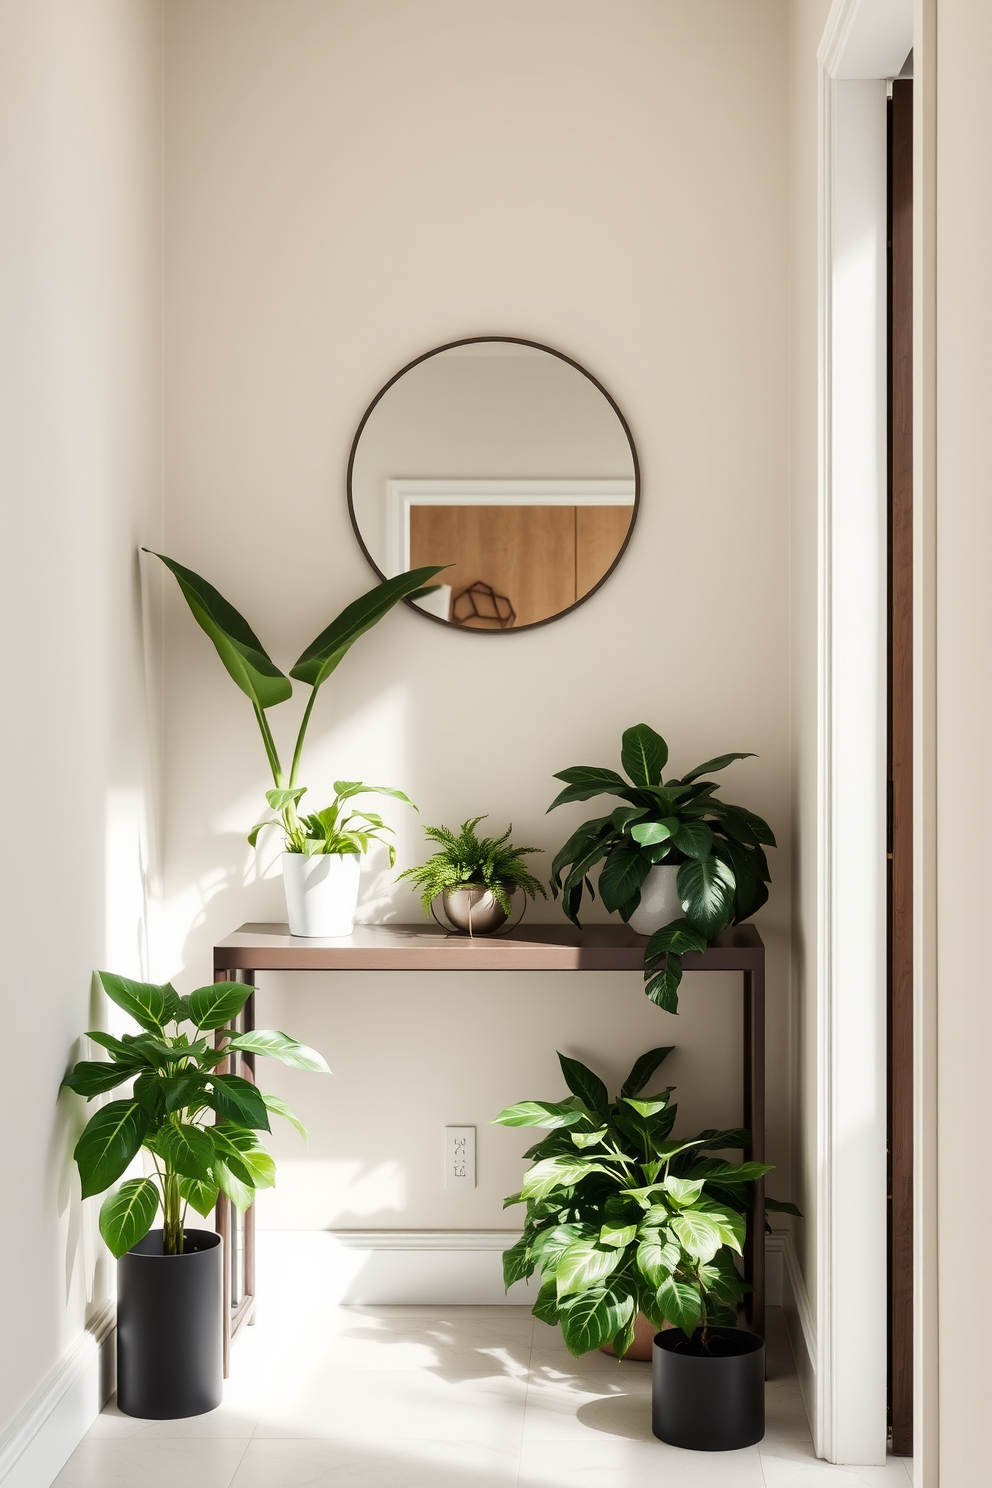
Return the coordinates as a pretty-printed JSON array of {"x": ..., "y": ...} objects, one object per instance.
[{"x": 537, "y": 346}]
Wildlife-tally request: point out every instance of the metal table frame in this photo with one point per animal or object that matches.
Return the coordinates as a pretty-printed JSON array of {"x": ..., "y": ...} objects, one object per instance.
[{"x": 559, "y": 947}]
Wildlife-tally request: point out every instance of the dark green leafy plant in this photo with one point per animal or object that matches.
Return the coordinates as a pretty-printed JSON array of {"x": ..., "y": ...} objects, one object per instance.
[
  {"x": 467, "y": 859},
  {"x": 718, "y": 848},
  {"x": 623, "y": 1219},
  {"x": 336, "y": 829},
  {"x": 199, "y": 1124},
  {"x": 253, "y": 670}
]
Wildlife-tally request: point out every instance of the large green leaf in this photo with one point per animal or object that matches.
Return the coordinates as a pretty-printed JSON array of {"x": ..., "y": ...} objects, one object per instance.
[
  {"x": 747, "y": 865},
  {"x": 278, "y": 1107},
  {"x": 556, "y": 1172},
  {"x": 332, "y": 645},
  {"x": 200, "y": 1196},
  {"x": 680, "y": 1304},
  {"x": 217, "y": 1004},
  {"x": 698, "y": 1233},
  {"x": 662, "y": 987},
  {"x": 643, "y": 754},
  {"x": 720, "y": 763},
  {"x": 550, "y": 1114},
  {"x": 517, "y": 1263},
  {"x": 706, "y": 893},
  {"x": 127, "y": 1215},
  {"x": 730, "y": 1223},
  {"x": 94, "y": 1077},
  {"x": 593, "y": 1318},
  {"x": 584, "y": 1264},
  {"x": 109, "y": 1141},
  {"x": 695, "y": 839},
  {"x": 644, "y": 1068},
  {"x": 187, "y": 1150},
  {"x": 676, "y": 938},
  {"x": 582, "y": 1082},
  {"x": 237, "y": 1099},
  {"x": 234, "y": 1187},
  {"x": 149, "y": 1004},
  {"x": 276, "y": 1045},
  {"x": 598, "y": 830},
  {"x": 623, "y": 874},
  {"x": 683, "y": 1191},
  {"x": 651, "y": 833},
  {"x": 657, "y": 1257},
  {"x": 582, "y": 782},
  {"x": 237, "y": 645}
]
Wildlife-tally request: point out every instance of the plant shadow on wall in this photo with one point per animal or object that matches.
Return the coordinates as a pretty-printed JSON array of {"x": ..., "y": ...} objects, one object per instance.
[
  {"x": 678, "y": 864},
  {"x": 323, "y": 847}
]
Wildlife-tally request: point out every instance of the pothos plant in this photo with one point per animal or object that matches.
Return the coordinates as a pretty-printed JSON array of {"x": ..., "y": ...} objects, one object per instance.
[
  {"x": 621, "y": 1218},
  {"x": 336, "y": 829},
  {"x": 718, "y": 848},
  {"x": 265, "y": 686},
  {"x": 464, "y": 858},
  {"x": 198, "y": 1123}
]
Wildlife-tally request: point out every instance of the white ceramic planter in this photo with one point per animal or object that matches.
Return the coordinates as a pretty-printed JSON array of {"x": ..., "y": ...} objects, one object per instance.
[
  {"x": 321, "y": 893},
  {"x": 659, "y": 900}
]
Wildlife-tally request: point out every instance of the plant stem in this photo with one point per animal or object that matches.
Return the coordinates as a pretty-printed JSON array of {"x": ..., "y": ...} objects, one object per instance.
[
  {"x": 298, "y": 751},
  {"x": 172, "y": 1223},
  {"x": 270, "y": 747}
]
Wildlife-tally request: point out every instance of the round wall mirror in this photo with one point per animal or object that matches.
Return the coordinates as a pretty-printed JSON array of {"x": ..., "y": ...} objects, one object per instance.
[{"x": 509, "y": 462}]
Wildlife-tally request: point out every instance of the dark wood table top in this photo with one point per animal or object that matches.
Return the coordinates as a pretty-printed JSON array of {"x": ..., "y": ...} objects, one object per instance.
[{"x": 426, "y": 947}]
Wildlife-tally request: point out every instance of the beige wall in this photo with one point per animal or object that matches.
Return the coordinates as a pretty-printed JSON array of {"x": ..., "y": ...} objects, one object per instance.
[
  {"x": 348, "y": 185},
  {"x": 80, "y": 460}
]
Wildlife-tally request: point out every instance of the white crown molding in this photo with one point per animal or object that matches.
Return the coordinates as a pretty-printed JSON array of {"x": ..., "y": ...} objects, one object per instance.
[{"x": 866, "y": 38}]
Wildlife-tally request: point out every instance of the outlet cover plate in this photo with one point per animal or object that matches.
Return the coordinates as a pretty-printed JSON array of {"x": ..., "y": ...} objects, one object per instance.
[{"x": 459, "y": 1157}]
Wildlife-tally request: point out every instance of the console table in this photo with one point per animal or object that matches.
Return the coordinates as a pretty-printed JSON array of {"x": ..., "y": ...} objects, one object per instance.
[{"x": 558, "y": 947}]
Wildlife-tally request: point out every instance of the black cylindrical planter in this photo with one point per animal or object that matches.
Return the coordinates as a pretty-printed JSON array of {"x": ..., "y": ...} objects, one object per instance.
[
  {"x": 708, "y": 1402},
  {"x": 170, "y": 1312}
]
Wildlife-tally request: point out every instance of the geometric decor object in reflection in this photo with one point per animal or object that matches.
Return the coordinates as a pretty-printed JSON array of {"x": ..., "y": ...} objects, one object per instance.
[{"x": 481, "y": 603}]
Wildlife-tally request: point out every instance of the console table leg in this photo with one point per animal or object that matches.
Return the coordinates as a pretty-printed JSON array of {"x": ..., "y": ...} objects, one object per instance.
[{"x": 754, "y": 1120}]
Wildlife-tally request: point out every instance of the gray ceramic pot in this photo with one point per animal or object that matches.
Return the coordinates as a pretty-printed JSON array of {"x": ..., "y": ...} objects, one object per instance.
[{"x": 473, "y": 910}]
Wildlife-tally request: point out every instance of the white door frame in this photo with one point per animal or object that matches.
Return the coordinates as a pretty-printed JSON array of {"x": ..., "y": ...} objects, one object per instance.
[{"x": 864, "y": 43}]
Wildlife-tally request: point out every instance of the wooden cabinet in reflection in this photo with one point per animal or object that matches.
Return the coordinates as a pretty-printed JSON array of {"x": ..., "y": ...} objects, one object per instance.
[{"x": 541, "y": 558}]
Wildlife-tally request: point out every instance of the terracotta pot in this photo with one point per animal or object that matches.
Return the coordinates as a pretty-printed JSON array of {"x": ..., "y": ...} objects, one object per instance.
[{"x": 644, "y": 1335}]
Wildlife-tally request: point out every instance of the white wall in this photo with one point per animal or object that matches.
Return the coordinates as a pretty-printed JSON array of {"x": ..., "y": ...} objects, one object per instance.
[
  {"x": 349, "y": 185},
  {"x": 80, "y": 460}
]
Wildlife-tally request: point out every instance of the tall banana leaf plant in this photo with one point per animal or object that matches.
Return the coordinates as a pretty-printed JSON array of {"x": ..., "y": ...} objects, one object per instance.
[{"x": 253, "y": 670}]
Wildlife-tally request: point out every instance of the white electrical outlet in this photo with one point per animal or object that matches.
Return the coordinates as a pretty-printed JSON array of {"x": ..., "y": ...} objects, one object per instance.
[{"x": 459, "y": 1157}]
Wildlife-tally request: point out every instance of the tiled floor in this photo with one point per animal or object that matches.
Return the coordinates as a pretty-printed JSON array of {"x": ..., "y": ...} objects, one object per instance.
[{"x": 431, "y": 1397}]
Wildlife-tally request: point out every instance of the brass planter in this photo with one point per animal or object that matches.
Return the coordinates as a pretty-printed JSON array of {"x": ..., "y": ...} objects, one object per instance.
[{"x": 472, "y": 909}]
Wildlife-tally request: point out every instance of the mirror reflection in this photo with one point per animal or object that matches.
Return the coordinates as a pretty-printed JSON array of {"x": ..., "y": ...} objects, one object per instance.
[{"x": 505, "y": 460}]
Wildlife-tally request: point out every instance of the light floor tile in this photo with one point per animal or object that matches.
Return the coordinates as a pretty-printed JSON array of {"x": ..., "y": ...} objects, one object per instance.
[
  {"x": 143, "y": 1462},
  {"x": 367, "y": 1464},
  {"x": 615, "y": 1463}
]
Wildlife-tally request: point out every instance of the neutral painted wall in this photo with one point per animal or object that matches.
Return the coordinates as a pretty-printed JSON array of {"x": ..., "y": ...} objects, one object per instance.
[
  {"x": 80, "y": 462},
  {"x": 347, "y": 186}
]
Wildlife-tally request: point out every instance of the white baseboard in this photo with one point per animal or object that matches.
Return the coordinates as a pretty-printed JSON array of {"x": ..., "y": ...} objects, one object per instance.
[
  {"x": 53, "y": 1424},
  {"x": 781, "y": 1252}
]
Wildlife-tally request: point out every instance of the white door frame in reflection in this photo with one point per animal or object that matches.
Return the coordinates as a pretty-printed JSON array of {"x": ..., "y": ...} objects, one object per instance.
[{"x": 402, "y": 495}]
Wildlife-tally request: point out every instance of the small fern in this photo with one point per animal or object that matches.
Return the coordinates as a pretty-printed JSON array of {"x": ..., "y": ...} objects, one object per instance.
[{"x": 464, "y": 858}]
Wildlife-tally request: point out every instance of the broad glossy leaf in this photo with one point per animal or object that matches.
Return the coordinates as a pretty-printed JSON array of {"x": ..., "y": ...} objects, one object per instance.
[
  {"x": 582, "y": 1082},
  {"x": 278, "y": 1107},
  {"x": 582, "y": 782},
  {"x": 237, "y": 1099},
  {"x": 680, "y": 1304},
  {"x": 730, "y": 1223},
  {"x": 694, "y": 839},
  {"x": 683, "y": 1191},
  {"x": 730, "y": 1172},
  {"x": 216, "y": 1005},
  {"x": 556, "y": 1172},
  {"x": 281, "y": 797},
  {"x": 95, "y": 1076},
  {"x": 187, "y": 1150},
  {"x": 782, "y": 1206},
  {"x": 617, "y": 1236},
  {"x": 540, "y": 1113},
  {"x": 594, "y": 1317},
  {"x": 597, "y": 830},
  {"x": 643, "y": 754},
  {"x": 260, "y": 1164},
  {"x": 662, "y": 987},
  {"x": 149, "y": 1004},
  {"x": 676, "y": 938},
  {"x": 116, "y": 1048},
  {"x": 650, "y": 834},
  {"x": 200, "y": 1196},
  {"x": 719, "y": 763},
  {"x": 149, "y": 1094},
  {"x": 237, "y": 645},
  {"x": 332, "y": 645},
  {"x": 625, "y": 1338},
  {"x": 624, "y": 816},
  {"x": 517, "y": 1262},
  {"x": 182, "y": 1091},
  {"x": 550, "y": 1244},
  {"x": 644, "y": 1068},
  {"x": 588, "y": 1139},
  {"x": 240, "y": 1193},
  {"x": 127, "y": 1215},
  {"x": 276, "y": 1045},
  {"x": 623, "y": 874},
  {"x": 583, "y": 1265},
  {"x": 647, "y": 1107},
  {"x": 657, "y": 1257},
  {"x": 545, "y": 1309},
  {"x": 706, "y": 893},
  {"x": 109, "y": 1141},
  {"x": 698, "y": 1234}
]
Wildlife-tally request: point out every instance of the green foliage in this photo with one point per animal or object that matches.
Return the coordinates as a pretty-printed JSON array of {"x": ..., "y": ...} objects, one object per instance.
[
  {"x": 718, "y": 849},
  {"x": 464, "y": 858},
  {"x": 623, "y": 1219},
  {"x": 250, "y": 666},
  {"x": 198, "y": 1123}
]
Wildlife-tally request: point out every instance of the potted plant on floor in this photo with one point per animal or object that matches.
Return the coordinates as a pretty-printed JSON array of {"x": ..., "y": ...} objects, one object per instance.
[
  {"x": 475, "y": 877},
  {"x": 199, "y": 1125},
  {"x": 678, "y": 864},
  {"x": 321, "y": 859},
  {"x": 622, "y": 1219}
]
